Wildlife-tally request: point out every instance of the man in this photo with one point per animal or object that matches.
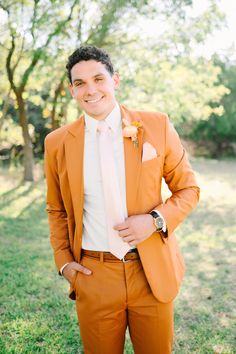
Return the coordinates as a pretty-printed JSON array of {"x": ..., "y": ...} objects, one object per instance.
[{"x": 112, "y": 235}]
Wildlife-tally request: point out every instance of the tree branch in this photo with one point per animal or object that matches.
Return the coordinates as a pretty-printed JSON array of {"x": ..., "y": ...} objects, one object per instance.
[
  {"x": 2, "y": 6},
  {"x": 20, "y": 56},
  {"x": 57, "y": 93},
  {"x": 34, "y": 19},
  {"x": 60, "y": 25},
  {"x": 10, "y": 72},
  {"x": 4, "y": 109},
  {"x": 80, "y": 21},
  {"x": 97, "y": 37},
  {"x": 38, "y": 52}
]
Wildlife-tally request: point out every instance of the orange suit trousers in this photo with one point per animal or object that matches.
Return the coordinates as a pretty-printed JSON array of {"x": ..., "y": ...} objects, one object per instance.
[{"x": 116, "y": 296}]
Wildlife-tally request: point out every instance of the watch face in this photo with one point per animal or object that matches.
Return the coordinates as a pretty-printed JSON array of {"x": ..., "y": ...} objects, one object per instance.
[{"x": 159, "y": 223}]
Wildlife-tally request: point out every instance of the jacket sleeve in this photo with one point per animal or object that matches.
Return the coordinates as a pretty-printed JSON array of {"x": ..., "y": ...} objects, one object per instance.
[
  {"x": 181, "y": 181},
  {"x": 57, "y": 216}
]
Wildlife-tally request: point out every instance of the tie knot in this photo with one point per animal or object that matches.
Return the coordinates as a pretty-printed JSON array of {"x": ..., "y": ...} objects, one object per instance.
[{"x": 102, "y": 126}]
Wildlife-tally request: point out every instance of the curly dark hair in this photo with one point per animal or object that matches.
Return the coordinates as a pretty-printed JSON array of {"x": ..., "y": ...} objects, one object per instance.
[{"x": 89, "y": 53}]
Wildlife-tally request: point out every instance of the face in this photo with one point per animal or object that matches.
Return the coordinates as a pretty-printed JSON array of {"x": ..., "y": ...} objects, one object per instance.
[{"x": 93, "y": 87}]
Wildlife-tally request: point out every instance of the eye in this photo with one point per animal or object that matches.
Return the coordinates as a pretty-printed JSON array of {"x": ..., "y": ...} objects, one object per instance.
[
  {"x": 77, "y": 84},
  {"x": 98, "y": 79}
]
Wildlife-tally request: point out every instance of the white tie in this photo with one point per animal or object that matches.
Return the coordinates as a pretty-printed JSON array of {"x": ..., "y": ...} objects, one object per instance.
[{"x": 111, "y": 190}]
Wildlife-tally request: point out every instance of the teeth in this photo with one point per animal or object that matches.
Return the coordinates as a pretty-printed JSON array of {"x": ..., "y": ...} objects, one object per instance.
[{"x": 93, "y": 101}]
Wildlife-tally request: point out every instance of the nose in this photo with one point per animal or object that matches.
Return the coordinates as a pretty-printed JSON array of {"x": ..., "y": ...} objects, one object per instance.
[{"x": 90, "y": 89}]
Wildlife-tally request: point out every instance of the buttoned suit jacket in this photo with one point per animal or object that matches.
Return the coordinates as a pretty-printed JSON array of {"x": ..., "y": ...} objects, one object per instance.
[{"x": 161, "y": 258}]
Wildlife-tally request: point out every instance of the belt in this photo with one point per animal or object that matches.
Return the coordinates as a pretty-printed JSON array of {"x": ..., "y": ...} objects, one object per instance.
[{"x": 107, "y": 256}]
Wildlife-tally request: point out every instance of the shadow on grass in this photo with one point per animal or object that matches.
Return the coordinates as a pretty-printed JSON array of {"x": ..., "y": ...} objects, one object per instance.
[
  {"x": 23, "y": 189},
  {"x": 36, "y": 315},
  {"x": 11, "y": 191},
  {"x": 214, "y": 169},
  {"x": 205, "y": 310}
]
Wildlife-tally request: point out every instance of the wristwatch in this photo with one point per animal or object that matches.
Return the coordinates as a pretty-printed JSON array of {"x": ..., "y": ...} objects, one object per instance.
[{"x": 157, "y": 220}]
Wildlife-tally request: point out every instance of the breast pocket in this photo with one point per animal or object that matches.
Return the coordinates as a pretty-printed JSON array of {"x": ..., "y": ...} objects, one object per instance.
[
  {"x": 151, "y": 172},
  {"x": 152, "y": 165}
]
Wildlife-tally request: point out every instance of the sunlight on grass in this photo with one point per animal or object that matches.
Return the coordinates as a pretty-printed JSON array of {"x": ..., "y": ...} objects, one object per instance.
[
  {"x": 36, "y": 314},
  {"x": 25, "y": 195},
  {"x": 205, "y": 308}
]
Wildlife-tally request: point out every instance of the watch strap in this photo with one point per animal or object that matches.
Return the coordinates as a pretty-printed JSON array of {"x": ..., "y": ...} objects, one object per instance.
[{"x": 156, "y": 213}]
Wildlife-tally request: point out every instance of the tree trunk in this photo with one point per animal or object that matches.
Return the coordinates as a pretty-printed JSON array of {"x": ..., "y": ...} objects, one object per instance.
[
  {"x": 55, "y": 119},
  {"x": 4, "y": 110},
  {"x": 28, "y": 147},
  {"x": 64, "y": 111}
]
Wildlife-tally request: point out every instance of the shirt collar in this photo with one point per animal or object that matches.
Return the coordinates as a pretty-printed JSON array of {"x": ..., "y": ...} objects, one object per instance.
[{"x": 113, "y": 120}]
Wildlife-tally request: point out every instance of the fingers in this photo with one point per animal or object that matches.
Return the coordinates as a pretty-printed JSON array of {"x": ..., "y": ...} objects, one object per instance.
[
  {"x": 130, "y": 240},
  {"x": 82, "y": 269},
  {"x": 70, "y": 271},
  {"x": 124, "y": 233},
  {"x": 133, "y": 243},
  {"x": 122, "y": 226},
  {"x": 128, "y": 236},
  {"x": 72, "y": 268}
]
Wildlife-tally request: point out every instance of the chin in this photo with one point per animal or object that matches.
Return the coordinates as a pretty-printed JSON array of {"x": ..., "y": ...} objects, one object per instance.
[{"x": 95, "y": 114}]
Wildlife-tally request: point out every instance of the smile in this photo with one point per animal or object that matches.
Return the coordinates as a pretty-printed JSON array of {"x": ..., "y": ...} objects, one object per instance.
[{"x": 94, "y": 101}]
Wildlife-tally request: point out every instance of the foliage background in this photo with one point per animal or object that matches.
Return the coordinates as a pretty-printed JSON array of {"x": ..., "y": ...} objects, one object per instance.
[{"x": 156, "y": 57}]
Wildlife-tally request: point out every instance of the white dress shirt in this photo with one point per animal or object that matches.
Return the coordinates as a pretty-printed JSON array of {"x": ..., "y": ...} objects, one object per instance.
[{"x": 94, "y": 235}]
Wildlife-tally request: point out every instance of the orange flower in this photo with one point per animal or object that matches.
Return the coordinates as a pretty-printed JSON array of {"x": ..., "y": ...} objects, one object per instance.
[{"x": 131, "y": 130}]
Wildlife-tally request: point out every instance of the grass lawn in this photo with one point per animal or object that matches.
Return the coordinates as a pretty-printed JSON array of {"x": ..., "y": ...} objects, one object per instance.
[{"x": 36, "y": 315}]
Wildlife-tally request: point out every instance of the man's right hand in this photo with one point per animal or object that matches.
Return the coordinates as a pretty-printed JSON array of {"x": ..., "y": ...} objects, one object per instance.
[{"x": 71, "y": 269}]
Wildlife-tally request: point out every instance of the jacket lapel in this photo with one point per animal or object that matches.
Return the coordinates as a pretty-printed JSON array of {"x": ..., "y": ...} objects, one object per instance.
[
  {"x": 74, "y": 153},
  {"x": 133, "y": 164}
]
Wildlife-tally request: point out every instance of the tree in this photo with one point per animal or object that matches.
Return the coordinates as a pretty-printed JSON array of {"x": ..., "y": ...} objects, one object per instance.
[
  {"x": 220, "y": 129},
  {"x": 25, "y": 50},
  {"x": 39, "y": 35},
  {"x": 32, "y": 32},
  {"x": 105, "y": 20},
  {"x": 164, "y": 72}
]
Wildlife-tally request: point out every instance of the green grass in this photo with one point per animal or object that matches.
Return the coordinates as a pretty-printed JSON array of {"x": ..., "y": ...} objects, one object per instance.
[{"x": 36, "y": 315}]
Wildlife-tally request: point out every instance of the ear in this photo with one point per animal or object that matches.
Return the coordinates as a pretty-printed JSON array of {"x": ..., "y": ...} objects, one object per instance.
[
  {"x": 71, "y": 90},
  {"x": 116, "y": 80}
]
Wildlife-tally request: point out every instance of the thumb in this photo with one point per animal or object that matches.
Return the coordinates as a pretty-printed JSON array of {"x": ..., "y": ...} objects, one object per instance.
[{"x": 82, "y": 269}]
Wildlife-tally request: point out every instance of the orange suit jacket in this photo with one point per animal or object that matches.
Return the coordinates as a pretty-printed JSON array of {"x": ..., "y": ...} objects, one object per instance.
[{"x": 161, "y": 259}]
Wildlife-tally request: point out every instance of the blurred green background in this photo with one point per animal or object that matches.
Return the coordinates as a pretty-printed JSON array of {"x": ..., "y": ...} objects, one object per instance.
[
  {"x": 169, "y": 56},
  {"x": 156, "y": 46}
]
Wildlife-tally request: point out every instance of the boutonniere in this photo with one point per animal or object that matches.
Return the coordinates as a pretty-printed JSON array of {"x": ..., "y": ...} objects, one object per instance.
[{"x": 131, "y": 130}]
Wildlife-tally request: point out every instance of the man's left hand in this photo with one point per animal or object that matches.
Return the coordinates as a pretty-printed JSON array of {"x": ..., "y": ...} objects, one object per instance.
[{"x": 136, "y": 228}]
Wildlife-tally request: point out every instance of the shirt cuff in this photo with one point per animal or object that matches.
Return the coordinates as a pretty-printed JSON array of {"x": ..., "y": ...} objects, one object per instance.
[
  {"x": 61, "y": 270},
  {"x": 164, "y": 228}
]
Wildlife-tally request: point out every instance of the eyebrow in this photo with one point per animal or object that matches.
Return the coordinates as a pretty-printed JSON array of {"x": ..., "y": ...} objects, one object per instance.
[{"x": 80, "y": 80}]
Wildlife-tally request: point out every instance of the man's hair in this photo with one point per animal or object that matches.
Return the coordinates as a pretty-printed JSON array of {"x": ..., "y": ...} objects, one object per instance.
[{"x": 85, "y": 53}]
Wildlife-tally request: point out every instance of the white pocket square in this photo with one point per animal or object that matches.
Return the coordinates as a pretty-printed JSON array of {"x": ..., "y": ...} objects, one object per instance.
[{"x": 149, "y": 152}]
